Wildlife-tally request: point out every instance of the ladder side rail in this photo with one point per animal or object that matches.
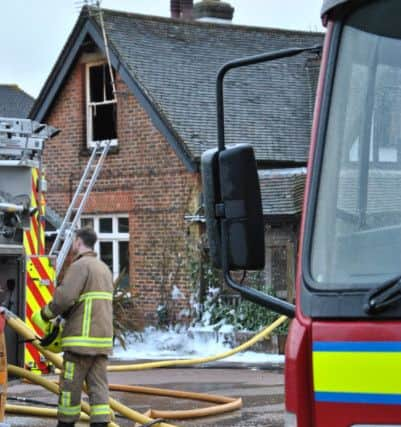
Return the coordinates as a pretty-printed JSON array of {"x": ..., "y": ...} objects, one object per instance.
[
  {"x": 90, "y": 185},
  {"x": 68, "y": 239},
  {"x": 70, "y": 209}
]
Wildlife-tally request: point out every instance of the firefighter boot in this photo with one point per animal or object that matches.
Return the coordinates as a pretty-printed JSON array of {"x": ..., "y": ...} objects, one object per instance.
[
  {"x": 64, "y": 424},
  {"x": 98, "y": 424}
]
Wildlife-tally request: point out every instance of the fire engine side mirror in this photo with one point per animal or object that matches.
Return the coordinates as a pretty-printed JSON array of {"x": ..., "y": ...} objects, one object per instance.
[{"x": 233, "y": 208}]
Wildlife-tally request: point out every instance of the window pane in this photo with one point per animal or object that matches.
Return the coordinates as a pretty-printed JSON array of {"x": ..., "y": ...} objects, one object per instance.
[
  {"x": 108, "y": 86},
  {"x": 106, "y": 253},
  {"x": 123, "y": 225},
  {"x": 86, "y": 222},
  {"x": 105, "y": 225},
  {"x": 124, "y": 263},
  {"x": 96, "y": 80},
  {"x": 104, "y": 122},
  {"x": 358, "y": 217}
]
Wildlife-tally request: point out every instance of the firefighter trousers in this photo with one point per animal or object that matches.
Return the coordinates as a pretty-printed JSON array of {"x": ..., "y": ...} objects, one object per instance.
[{"x": 78, "y": 369}]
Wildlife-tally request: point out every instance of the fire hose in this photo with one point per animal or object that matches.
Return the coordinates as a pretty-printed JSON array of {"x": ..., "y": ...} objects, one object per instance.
[
  {"x": 23, "y": 330},
  {"x": 224, "y": 404},
  {"x": 187, "y": 362}
]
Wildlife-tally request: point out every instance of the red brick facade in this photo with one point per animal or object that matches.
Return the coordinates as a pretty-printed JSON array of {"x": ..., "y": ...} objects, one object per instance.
[{"x": 143, "y": 177}]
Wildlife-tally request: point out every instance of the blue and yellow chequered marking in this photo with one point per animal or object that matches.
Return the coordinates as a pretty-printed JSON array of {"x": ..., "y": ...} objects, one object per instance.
[{"x": 357, "y": 372}]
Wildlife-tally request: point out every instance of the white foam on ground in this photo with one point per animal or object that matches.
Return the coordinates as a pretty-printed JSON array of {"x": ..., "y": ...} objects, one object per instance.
[{"x": 154, "y": 344}]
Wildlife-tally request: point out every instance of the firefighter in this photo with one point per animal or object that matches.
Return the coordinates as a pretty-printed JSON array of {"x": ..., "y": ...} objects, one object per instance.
[{"x": 84, "y": 300}]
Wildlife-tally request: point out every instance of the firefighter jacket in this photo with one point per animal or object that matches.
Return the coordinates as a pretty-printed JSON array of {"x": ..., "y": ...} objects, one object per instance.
[{"x": 85, "y": 300}]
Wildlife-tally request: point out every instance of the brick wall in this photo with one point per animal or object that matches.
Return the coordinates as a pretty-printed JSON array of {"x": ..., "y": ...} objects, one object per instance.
[
  {"x": 143, "y": 178},
  {"x": 281, "y": 245}
]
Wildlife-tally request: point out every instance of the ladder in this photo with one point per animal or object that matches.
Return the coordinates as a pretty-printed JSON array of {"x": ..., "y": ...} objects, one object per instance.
[
  {"x": 22, "y": 142},
  {"x": 23, "y": 139},
  {"x": 63, "y": 241}
]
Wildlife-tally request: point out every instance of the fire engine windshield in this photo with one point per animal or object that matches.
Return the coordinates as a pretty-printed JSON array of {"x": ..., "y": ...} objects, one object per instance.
[{"x": 356, "y": 242}]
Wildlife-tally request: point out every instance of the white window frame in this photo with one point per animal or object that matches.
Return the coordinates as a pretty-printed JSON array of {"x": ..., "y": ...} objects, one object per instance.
[
  {"x": 89, "y": 105},
  {"x": 115, "y": 237}
]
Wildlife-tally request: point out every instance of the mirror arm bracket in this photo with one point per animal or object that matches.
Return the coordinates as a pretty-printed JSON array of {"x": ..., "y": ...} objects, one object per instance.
[
  {"x": 260, "y": 298},
  {"x": 243, "y": 62}
]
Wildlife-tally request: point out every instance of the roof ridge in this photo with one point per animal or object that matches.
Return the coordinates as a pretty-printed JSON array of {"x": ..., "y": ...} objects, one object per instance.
[
  {"x": 16, "y": 86},
  {"x": 230, "y": 26}
]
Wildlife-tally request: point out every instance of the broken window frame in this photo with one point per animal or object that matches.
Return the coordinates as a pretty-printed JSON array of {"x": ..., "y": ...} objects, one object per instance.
[{"x": 92, "y": 105}]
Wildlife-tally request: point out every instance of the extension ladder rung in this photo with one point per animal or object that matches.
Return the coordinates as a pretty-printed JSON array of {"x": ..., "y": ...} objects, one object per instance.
[{"x": 75, "y": 209}]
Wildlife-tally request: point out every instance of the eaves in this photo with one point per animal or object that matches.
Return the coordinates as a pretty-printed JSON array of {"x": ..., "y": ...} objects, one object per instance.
[{"x": 87, "y": 27}]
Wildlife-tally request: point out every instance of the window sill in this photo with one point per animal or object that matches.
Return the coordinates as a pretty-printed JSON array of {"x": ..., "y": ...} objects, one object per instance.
[{"x": 87, "y": 150}]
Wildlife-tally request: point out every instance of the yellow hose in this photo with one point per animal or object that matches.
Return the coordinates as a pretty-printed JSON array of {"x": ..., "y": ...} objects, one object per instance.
[
  {"x": 37, "y": 379},
  {"x": 22, "y": 329},
  {"x": 38, "y": 412},
  {"x": 186, "y": 362},
  {"x": 228, "y": 404}
]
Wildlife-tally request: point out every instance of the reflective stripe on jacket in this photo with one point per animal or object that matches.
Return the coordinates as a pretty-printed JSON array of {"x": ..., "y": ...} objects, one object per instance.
[{"x": 85, "y": 297}]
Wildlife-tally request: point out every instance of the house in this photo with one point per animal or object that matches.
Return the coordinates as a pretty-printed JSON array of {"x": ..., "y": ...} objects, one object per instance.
[
  {"x": 14, "y": 102},
  {"x": 160, "y": 119}
]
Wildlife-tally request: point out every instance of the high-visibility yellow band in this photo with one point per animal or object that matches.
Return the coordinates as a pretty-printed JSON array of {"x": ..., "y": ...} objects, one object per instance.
[
  {"x": 86, "y": 323},
  {"x": 65, "y": 407},
  {"x": 87, "y": 342},
  {"x": 100, "y": 410},
  {"x": 96, "y": 295},
  {"x": 357, "y": 372},
  {"x": 69, "y": 370},
  {"x": 69, "y": 410}
]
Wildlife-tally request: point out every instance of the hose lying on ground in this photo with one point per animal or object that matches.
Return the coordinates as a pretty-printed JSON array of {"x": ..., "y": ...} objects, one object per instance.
[
  {"x": 37, "y": 412},
  {"x": 22, "y": 329},
  {"x": 227, "y": 404},
  {"x": 37, "y": 379},
  {"x": 186, "y": 362}
]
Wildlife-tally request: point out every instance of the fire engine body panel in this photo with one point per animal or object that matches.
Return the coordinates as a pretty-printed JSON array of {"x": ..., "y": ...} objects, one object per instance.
[
  {"x": 343, "y": 355},
  {"x": 27, "y": 274},
  {"x": 343, "y": 351}
]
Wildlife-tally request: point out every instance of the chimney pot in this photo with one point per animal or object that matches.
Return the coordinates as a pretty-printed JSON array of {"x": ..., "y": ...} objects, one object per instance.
[
  {"x": 186, "y": 8},
  {"x": 213, "y": 10}
]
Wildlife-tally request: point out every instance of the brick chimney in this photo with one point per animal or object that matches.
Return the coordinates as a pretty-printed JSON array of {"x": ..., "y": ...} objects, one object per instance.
[
  {"x": 186, "y": 8},
  {"x": 213, "y": 10},
  {"x": 175, "y": 8},
  {"x": 181, "y": 9}
]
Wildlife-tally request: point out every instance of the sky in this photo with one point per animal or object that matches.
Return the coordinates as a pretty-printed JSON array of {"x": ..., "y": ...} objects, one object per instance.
[{"x": 33, "y": 32}]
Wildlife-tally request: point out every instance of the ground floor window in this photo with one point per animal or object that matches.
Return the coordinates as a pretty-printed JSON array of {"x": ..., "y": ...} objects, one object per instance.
[{"x": 113, "y": 242}]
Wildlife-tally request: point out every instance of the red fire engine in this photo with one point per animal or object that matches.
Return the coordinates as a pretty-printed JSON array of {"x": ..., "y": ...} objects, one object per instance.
[{"x": 343, "y": 353}]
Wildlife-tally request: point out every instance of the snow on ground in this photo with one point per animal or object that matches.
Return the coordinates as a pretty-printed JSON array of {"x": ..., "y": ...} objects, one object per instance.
[{"x": 155, "y": 344}]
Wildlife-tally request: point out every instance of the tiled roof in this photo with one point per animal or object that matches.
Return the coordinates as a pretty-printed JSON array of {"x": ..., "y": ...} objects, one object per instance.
[
  {"x": 176, "y": 62},
  {"x": 383, "y": 185},
  {"x": 282, "y": 190},
  {"x": 14, "y": 102}
]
